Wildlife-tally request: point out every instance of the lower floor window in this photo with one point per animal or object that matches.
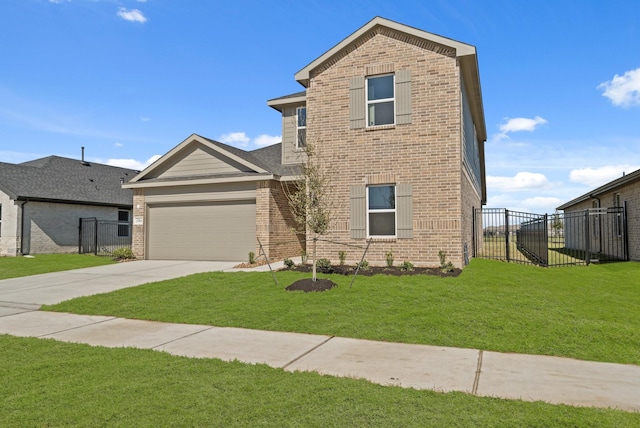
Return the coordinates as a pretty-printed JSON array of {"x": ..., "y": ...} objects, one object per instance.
[
  {"x": 381, "y": 211},
  {"x": 123, "y": 223}
]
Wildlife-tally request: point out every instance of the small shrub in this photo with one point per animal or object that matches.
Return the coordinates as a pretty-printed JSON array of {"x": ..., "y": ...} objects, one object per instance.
[
  {"x": 445, "y": 266},
  {"x": 364, "y": 265},
  {"x": 288, "y": 263},
  {"x": 342, "y": 256},
  {"x": 406, "y": 266},
  {"x": 123, "y": 253},
  {"x": 324, "y": 265},
  {"x": 303, "y": 256},
  {"x": 389, "y": 258},
  {"x": 252, "y": 257}
]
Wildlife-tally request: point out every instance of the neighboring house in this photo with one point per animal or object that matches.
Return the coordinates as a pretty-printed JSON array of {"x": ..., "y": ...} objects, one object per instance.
[
  {"x": 606, "y": 223},
  {"x": 397, "y": 113},
  {"x": 42, "y": 201}
]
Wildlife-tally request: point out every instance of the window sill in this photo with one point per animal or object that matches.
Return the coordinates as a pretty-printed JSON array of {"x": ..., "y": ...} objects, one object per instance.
[
  {"x": 382, "y": 239},
  {"x": 380, "y": 127}
]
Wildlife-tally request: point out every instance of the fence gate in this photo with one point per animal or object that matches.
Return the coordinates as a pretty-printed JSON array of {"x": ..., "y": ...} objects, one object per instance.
[
  {"x": 570, "y": 238},
  {"x": 102, "y": 237}
]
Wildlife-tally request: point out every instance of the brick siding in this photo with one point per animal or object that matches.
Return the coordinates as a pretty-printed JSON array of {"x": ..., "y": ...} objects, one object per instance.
[{"x": 426, "y": 153}]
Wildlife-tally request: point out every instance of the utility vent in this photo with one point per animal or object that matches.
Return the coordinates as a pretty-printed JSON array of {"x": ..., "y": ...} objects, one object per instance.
[{"x": 83, "y": 162}]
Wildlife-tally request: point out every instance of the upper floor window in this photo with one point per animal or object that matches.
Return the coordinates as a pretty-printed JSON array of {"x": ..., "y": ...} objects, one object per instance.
[
  {"x": 381, "y": 211},
  {"x": 123, "y": 223},
  {"x": 380, "y": 100},
  {"x": 301, "y": 120}
]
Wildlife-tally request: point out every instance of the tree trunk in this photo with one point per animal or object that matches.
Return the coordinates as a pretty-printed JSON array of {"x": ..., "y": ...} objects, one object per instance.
[{"x": 315, "y": 241}]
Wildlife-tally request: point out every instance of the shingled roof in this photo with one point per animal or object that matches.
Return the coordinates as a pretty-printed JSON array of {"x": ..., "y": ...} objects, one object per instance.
[{"x": 58, "y": 179}]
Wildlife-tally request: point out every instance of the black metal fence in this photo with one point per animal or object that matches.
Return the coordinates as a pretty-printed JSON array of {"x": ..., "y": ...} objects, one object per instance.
[
  {"x": 102, "y": 237},
  {"x": 570, "y": 238}
]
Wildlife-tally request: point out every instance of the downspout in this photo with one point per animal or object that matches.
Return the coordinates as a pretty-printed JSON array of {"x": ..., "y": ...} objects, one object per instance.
[{"x": 22, "y": 227}]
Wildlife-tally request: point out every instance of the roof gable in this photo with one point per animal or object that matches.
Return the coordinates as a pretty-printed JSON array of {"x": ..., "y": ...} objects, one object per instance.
[
  {"x": 198, "y": 159},
  {"x": 199, "y": 156},
  {"x": 425, "y": 39}
]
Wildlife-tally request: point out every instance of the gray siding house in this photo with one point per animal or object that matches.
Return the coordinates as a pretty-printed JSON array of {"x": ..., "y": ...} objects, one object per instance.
[
  {"x": 623, "y": 192},
  {"x": 42, "y": 201}
]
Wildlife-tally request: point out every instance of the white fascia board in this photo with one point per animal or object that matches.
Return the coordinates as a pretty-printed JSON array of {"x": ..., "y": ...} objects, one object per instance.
[
  {"x": 281, "y": 102},
  {"x": 142, "y": 185}
]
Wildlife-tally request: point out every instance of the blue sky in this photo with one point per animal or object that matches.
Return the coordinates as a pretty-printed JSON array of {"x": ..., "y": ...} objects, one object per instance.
[{"x": 130, "y": 79}]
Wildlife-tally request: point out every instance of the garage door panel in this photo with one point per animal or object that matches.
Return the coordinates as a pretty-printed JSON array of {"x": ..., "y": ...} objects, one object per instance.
[{"x": 206, "y": 231}]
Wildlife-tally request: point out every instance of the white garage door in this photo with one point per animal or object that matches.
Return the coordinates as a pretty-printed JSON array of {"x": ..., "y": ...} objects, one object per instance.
[{"x": 202, "y": 231}]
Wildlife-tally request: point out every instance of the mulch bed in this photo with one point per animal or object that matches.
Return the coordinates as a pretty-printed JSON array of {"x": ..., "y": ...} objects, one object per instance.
[
  {"x": 377, "y": 270},
  {"x": 308, "y": 285}
]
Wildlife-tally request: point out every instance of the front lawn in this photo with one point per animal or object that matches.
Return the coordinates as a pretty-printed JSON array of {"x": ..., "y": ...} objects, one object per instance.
[
  {"x": 48, "y": 383},
  {"x": 579, "y": 312},
  {"x": 13, "y": 267}
]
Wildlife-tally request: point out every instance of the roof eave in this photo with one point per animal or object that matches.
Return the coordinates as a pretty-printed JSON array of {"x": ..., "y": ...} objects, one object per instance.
[
  {"x": 280, "y": 103},
  {"x": 635, "y": 175}
]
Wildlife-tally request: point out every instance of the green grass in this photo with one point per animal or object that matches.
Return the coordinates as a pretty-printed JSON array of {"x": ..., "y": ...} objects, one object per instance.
[
  {"x": 48, "y": 383},
  {"x": 13, "y": 267},
  {"x": 580, "y": 312}
]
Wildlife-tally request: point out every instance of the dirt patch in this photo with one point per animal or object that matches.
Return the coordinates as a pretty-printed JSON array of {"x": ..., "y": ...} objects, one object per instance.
[
  {"x": 308, "y": 285},
  {"x": 378, "y": 270}
]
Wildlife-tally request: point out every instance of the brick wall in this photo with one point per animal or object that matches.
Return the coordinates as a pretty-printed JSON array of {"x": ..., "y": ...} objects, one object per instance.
[
  {"x": 274, "y": 223},
  {"x": 137, "y": 243},
  {"x": 425, "y": 153},
  {"x": 54, "y": 228}
]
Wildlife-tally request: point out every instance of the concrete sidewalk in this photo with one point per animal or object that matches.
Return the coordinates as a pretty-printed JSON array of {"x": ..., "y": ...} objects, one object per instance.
[
  {"x": 483, "y": 373},
  {"x": 527, "y": 377}
]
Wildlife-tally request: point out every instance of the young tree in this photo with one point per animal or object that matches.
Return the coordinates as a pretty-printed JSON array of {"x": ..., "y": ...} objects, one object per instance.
[{"x": 310, "y": 199}]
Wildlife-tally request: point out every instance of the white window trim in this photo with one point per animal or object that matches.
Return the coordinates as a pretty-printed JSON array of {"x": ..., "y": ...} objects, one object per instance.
[
  {"x": 383, "y": 100},
  {"x": 394, "y": 210},
  {"x": 298, "y": 128}
]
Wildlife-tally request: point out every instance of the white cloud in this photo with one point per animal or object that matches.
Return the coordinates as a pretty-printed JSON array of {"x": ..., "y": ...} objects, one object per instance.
[
  {"x": 132, "y": 163},
  {"x": 542, "y": 204},
  {"x": 118, "y": 144},
  {"x": 521, "y": 181},
  {"x": 59, "y": 1},
  {"x": 145, "y": 119},
  {"x": 518, "y": 124},
  {"x": 133, "y": 15},
  {"x": 522, "y": 124},
  {"x": 243, "y": 141},
  {"x": 623, "y": 90},
  {"x": 595, "y": 177},
  {"x": 237, "y": 139},
  {"x": 267, "y": 140}
]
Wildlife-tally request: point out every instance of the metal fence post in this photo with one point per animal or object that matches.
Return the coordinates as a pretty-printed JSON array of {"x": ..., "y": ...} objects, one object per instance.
[
  {"x": 507, "y": 238},
  {"x": 587, "y": 238}
]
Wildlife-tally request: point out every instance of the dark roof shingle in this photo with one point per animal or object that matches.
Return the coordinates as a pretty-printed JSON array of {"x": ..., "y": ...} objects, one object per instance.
[{"x": 55, "y": 178}]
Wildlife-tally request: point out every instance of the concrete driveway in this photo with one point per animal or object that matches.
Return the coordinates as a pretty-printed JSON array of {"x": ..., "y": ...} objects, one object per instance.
[{"x": 30, "y": 292}]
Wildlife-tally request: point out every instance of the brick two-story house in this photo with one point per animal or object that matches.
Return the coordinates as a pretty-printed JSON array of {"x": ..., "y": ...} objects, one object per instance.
[{"x": 395, "y": 112}]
